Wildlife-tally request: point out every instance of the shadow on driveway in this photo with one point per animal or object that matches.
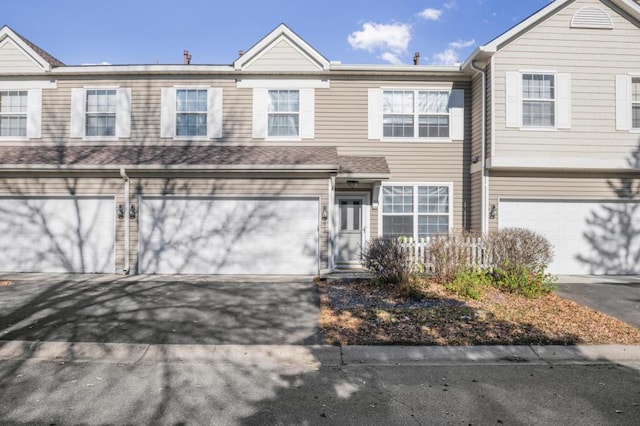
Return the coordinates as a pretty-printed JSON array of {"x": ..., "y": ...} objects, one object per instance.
[
  {"x": 156, "y": 309},
  {"x": 617, "y": 296}
]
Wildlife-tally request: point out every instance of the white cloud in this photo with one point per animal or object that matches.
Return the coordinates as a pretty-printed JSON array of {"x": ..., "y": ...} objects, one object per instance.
[
  {"x": 451, "y": 55},
  {"x": 461, "y": 44},
  {"x": 451, "y": 5},
  {"x": 390, "y": 40},
  {"x": 101, "y": 63},
  {"x": 431, "y": 14},
  {"x": 392, "y": 58},
  {"x": 447, "y": 57}
]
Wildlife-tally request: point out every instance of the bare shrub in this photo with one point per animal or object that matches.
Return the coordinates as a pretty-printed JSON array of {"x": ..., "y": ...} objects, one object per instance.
[
  {"x": 517, "y": 248},
  {"x": 449, "y": 255},
  {"x": 389, "y": 262}
]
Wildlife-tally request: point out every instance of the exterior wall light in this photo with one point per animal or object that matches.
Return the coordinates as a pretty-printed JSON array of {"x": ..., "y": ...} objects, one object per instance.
[
  {"x": 325, "y": 213},
  {"x": 132, "y": 211},
  {"x": 120, "y": 211},
  {"x": 493, "y": 211}
]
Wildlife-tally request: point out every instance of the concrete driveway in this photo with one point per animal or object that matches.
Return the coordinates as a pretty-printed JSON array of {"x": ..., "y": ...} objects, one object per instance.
[
  {"x": 617, "y": 296},
  {"x": 156, "y": 309}
]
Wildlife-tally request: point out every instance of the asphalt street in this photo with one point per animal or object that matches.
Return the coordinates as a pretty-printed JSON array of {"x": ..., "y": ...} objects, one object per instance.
[{"x": 268, "y": 391}]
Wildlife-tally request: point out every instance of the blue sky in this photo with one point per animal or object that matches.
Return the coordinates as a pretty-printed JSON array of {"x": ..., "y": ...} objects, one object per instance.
[{"x": 352, "y": 31}]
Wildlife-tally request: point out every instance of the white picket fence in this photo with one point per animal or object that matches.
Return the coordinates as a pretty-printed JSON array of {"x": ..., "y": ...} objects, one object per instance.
[{"x": 475, "y": 251}]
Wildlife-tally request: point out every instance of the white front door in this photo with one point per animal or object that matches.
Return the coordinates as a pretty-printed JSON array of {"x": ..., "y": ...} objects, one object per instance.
[{"x": 351, "y": 230}]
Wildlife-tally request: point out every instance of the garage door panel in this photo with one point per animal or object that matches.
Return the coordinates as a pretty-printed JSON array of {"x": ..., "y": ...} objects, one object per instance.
[
  {"x": 589, "y": 237},
  {"x": 57, "y": 234},
  {"x": 200, "y": 235}
]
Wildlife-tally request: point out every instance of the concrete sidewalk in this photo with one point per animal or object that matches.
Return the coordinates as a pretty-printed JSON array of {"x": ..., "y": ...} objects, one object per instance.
[{"x": 282, "y": 355}]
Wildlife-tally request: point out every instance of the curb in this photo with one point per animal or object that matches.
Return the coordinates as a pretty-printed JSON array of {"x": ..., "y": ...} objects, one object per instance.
[{"x": 314, "y": 356}]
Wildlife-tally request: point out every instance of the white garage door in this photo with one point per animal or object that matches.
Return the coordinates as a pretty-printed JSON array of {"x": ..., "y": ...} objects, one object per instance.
[
  {"x": 204, "y": 235},
  {"x": 590, "y": 237},
  {"x": 57, "y": 234}
]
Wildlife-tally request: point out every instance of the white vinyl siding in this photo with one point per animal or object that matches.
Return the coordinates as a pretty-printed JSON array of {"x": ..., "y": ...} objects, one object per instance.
[
  {"x": 538, "y": 100},
  {"x": 99, "y": 113},
  {"x": 416, "y": 210},
  {"x": 420, "y": 114},
  {"x": 284, "y": 113},
  {"x": 191, "y": 113}
]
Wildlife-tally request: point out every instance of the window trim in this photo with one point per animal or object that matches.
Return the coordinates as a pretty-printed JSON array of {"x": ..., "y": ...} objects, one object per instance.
[
  {"x": 415, "y": 213},
  {"x": 554, "y": 100},
  {"x": 85, "y": 114},
  {"x": 260, "y": 113},
  {"x": 176, "y": 112},
  {"x": 416, "y": 114},
  {"x": 285, "y": 137},
  {"x": 169, "y": 113},
  {"x": 632, "y": 103},
  {"x": 20, "y": 114}
]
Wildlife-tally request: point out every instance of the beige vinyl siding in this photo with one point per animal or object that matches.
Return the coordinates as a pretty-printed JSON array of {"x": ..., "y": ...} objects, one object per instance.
[
  {"x": 475, "y": 206},
  {"x": 13, "y": 60},
  {"x": 490, "y": 110},
  {"x": 282, "y": 57},
  {"x": 225, "y": 186},
  {"x": 476, "y": 116},
  {"x": 546, "y": 185},
  {"x": 593, "y": 58}
]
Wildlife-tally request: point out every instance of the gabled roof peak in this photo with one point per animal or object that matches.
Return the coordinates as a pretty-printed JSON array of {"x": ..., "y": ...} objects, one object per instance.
[
  {"x": 44, "y": 59},
  {"x": 280, "y": 33}
]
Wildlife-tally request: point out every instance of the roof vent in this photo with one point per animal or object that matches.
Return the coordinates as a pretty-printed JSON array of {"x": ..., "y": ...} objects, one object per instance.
[{"x": 592, "y": 17}]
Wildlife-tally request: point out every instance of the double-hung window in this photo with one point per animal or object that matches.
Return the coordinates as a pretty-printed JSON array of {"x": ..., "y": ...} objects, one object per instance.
[
  {"x": 283, "y": 108},
  {"x": 416, "y": 211},
  {"x": 100, "y": 112},
  {"x": 635, "y": 103},
  {"x": 191, "y": 112},
  {"x": 538, "y": 100},
  {"x": 13, "y": 113},
  {"x": 415, "y": 113}
]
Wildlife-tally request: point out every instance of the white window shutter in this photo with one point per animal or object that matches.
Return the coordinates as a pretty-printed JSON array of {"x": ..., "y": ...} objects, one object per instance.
[
  {"x": 375, "y": 114},
  {"x": 77, "y": 113},
  {"x": 563, "y": 121},
  {"x": 623, "y": 102},
  {"x": 259, "y": 113},
  {"x": 123, "y": 113},
  {"x": 34, "y": 114},
  {"x": 456, "y": 115},
  {"x": 307, "y": 113},
  {"x": 214, "y": 114},
  {"x": 513, "y": 88},
  {"x": 168, "y": 113}
]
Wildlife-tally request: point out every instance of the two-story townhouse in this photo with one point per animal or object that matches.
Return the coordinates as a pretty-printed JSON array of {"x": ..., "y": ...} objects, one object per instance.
[
  {"x": 281, "y": 162},
  {"x": 286, "y": 162},
  {"x": 560, "y": 127}
]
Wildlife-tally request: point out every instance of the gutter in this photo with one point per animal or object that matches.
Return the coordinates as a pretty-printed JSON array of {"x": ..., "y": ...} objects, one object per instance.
[
  {"x": 127, "y": 234},
  {"x": 313, "y": 168},
  {"x": 484, "y": 179}
]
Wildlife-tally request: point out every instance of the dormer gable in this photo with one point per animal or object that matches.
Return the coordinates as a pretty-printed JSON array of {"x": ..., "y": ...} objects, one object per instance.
[
  {"x": 282, "y": 50},
  {"x": 19, "y": 55}
]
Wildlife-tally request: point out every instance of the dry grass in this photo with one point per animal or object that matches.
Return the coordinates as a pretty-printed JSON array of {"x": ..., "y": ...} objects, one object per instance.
[
  {"x": 361, "y": 313},
  {"x": 5, "y": 283}
]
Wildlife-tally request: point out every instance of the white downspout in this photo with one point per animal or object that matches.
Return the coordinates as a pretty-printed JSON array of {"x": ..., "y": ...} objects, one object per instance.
[
  {"x": 127, "y": 206},
  {"x": 484, "y": 196}
]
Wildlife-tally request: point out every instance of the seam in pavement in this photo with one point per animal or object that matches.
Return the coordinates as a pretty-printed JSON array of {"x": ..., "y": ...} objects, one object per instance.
[{"x": 137, "y": 361}]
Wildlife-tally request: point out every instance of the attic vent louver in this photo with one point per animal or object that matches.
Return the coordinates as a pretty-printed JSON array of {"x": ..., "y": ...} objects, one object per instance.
[{"x": 592, "y": 17}]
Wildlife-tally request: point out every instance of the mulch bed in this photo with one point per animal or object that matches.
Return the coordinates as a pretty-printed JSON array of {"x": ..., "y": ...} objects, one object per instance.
[{"x": 358, "y": 312}]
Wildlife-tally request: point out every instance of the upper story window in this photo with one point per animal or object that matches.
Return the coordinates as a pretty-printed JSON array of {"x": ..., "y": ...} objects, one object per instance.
[
  {"x": 100, "y": 113},
  {"x": 283, "y": 113},
  {"x": 416, "y": 114},
  {"x": 100, "y": 116},
  {"x": 635, "y": 103},
  {"x": 416, "y": 210},
  {"x": 13, "y": 113},
  {"x": 538, "y": 100},
  {"x": 409, "y": 114},
  {"x": 191, "y": 112}
]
